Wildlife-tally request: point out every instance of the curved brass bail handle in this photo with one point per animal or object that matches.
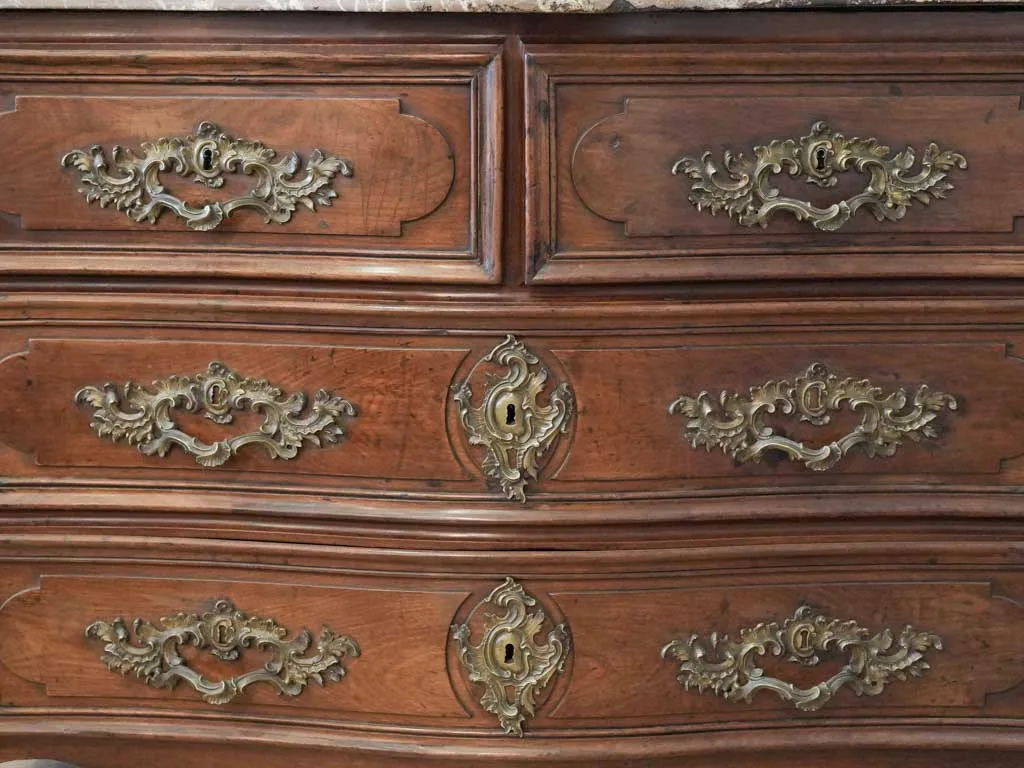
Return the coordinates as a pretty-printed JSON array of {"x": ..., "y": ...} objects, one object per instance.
[
  {"x": 735, "y": 423},
  {"x": 741, "y": 186},
  {"x": 224, "y": 632},
  {"x": 143, "y": 417},
  {"x": 131, "y": 181},
  {"x": 729, "y": 668}
]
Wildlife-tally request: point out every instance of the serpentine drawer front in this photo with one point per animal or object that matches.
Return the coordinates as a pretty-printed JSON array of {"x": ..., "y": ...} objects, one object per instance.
[
  {"x": 515, "y": 420},
  {"x": 519, "y": 657},
  {"x": 732, "y": 162}
]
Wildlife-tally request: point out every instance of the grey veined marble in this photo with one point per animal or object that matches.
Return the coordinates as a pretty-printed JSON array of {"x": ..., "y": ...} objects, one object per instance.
[{"x": 480, "y": 6}]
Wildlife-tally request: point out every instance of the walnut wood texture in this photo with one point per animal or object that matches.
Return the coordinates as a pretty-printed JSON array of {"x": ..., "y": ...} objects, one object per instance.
[
  {"x": 610, "y": 124},
  {"x": 623, "y": 441},
  {"x": 419, "y": 127},
  {"x": 467, "y": 219}
]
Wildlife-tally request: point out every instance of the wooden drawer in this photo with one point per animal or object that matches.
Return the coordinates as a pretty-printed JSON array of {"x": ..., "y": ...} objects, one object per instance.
[
  {"x": 426, "y": 417},
  {"x": 630, "y": 179},
  {"x": 316, "y": 162},
  {"x": 598, "y": 638}
]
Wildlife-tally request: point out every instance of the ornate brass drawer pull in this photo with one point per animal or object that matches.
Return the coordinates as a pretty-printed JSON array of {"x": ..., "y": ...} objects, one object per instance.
[
  {"x": 224, "y": 632},
  {"x": 144, "y": 418},
  {"x": 508, "y": 662},
  {"x": 742, "y": 189},
  {"x": 510, "y": 424},
  {"x": 729, "y": 667},
  {"x": 736, "y": 423},
  {"x": 132, "y": 181}
]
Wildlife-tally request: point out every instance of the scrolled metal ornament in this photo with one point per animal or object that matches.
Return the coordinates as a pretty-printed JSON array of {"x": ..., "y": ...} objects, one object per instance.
[
  {"x": 512, "y": 426},
  {"x": 730, "y": 668},
  {"x": 735, "y": 423},
  {"x": 131, "y": 182},
  {"x": 741, "y": 185},
  {"x": 143, "y": 418},
  {"x": 224, "y": 632},
  {"x": 508, "y": 662}
]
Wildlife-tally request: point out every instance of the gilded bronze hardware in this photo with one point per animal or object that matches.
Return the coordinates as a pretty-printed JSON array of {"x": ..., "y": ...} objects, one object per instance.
[
  {"x": 735, "y": 423},
  {"x": 741, "y": 186},
  {"x": 143, "y": 418},
  {"x": 508, "y": 662},
  {"x": 515, "y": 430},
  {"x": 224, "y": 632},
  {"x": 729, "y": 668},
  {"x": 131, "y": 182}
]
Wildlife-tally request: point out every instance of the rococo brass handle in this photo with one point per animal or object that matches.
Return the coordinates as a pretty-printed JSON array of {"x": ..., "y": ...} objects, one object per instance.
[
  {"x": 729, "y": 667},
  {"x": 741, "y": 186},
  {"x": 224, "y": 632},
  {"x": 735, "y": 423},
  {"x": 131, "y": 182},
  {"x": 143, "y": 418}
]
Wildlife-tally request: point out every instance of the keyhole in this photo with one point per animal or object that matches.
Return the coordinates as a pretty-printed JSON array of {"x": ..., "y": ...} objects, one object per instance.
[
  {"x": 206, "y": 159},
  {"x": 221, "y": 634},
  {"x": 510, "y": 420},
  {"x": 510, "y": 652},
  {"x": 820, "y": 156}
]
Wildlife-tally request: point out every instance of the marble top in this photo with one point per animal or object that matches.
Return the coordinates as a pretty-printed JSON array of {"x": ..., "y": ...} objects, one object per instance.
[{"x": 480, "y": 6}]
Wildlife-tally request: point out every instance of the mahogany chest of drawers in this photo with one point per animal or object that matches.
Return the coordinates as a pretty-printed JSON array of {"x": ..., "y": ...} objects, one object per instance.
[{"x": 390, "y": 390}]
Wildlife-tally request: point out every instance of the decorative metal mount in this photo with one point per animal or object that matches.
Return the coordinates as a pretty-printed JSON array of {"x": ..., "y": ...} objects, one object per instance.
[
  {"x": 224, "y": 632},
  {"x": 508, "y": 662},
  {"x": 131, "y": 182},
  {"x": 742, "y": 189},
  {"x": 735, "y": 423},
  {"x": 729, "y": 667},
  {"x": 143, "y": 418},
  {"x": 515, "y": 430}
]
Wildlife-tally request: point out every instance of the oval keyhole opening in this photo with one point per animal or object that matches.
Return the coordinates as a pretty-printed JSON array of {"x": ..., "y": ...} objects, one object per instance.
[
  {"x": 221, "y": 634},
  {"x": 820, "y": 158},
  {"x": 510, "y": 418},
  {"x": 206, "y": 159},
  {"x": 510, "y": 650}
]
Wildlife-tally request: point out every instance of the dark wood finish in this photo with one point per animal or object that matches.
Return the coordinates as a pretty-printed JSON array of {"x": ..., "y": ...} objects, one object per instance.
[{"x": 469, "y": 219}]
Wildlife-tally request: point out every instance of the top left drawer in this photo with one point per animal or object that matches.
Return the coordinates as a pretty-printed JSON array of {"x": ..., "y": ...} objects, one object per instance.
[{"x": 280, "y": 161}]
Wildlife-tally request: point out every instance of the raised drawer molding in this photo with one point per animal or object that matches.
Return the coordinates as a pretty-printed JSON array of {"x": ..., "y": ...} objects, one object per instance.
[
  {"x": 644, "y": 142},
  {"x": 517, "y": 423},
  {"x": 380, "y": 177}
]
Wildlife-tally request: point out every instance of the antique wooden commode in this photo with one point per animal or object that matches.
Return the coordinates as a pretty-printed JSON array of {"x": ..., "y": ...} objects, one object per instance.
[{"x": 524, "y": 389}]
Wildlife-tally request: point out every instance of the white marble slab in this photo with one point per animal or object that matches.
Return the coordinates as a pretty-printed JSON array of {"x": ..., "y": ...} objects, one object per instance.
[{"x": 480, "y": 6}]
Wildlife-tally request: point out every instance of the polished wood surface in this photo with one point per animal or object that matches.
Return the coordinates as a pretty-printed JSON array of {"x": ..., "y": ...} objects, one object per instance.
[{"x": 512, "y": 176}]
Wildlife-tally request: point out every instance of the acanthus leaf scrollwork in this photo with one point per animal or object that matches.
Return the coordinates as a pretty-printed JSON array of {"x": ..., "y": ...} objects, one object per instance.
[
  {"x": 131, "y": 182},
  {"x": 730, "y": 668},
  {"x": 741, "y": 186},
  {"x": 735, "y": 423},
  {"x": 513, "y": 427},
  {"x": 224, "y": 632},
  {"x": 508, "y": 662},
  {"x": 143, "y": 418}
]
